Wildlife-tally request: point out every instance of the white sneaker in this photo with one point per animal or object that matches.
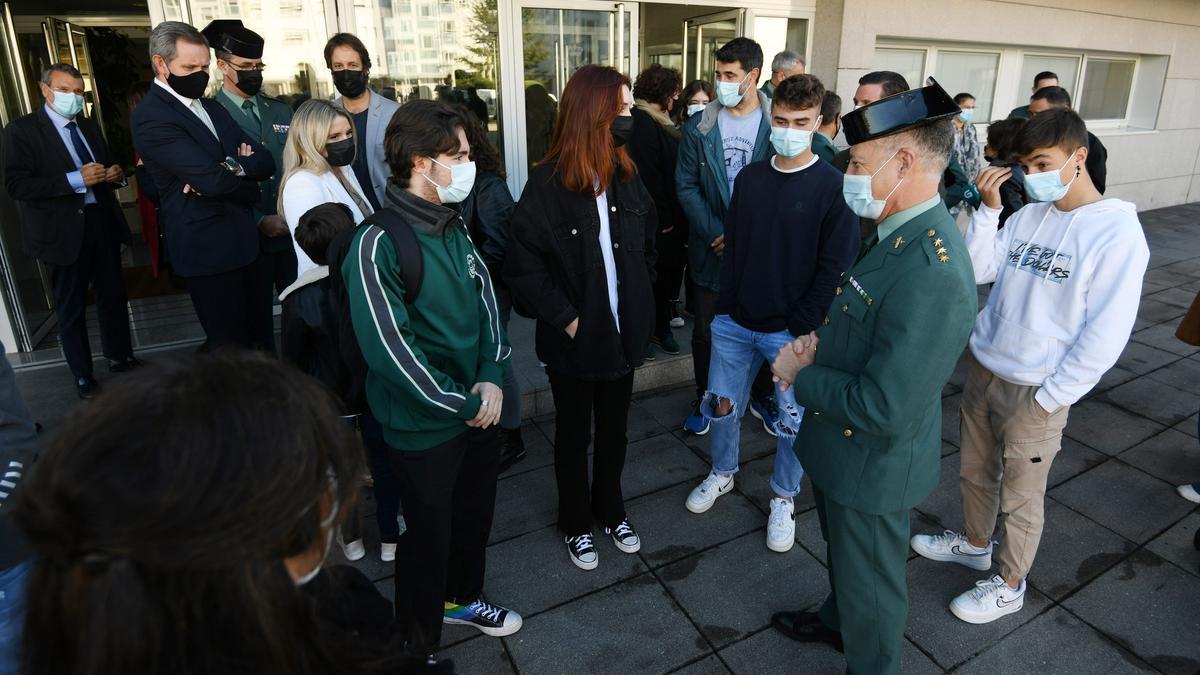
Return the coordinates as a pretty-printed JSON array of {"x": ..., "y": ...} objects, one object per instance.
[
  {"x": 781, "y": 525},
  {"x": 677, "y": 322},
  {"x": 953, "y": 547},
  {"x": 988, "y": 601},
  {"x": 387, "y": 553},
  {"x": 355, "y": 550},
  {"x": 1189, "y": 493},
  {"x": 701, "y": 499}
]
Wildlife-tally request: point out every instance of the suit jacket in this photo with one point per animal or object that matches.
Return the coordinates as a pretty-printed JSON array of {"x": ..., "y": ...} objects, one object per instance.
[
  {"x": 871, "y": 437},
  {"x": 379, "y": 115},
  {"x": 36, "y": 164},
  {"x": 212, "y": 228},
  {"x": 274, "y": 121}
]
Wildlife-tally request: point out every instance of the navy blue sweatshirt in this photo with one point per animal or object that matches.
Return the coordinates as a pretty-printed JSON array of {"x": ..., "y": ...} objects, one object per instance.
[{"x": 788, "y": 239}]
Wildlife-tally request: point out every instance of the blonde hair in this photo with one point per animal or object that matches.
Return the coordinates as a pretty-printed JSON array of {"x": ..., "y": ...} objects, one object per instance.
[{"x": 306, "y": 142}]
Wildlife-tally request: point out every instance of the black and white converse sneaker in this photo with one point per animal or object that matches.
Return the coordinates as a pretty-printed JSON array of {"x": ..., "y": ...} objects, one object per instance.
[
  {"x": 624, "y": 537},
  {"x": 490, "y": 619},
  {"x": 583, "y": 553}
]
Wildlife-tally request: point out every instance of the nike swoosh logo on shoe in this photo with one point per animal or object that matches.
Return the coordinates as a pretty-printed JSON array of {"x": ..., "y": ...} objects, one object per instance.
[
  {"x": 1001, "y": 603},
  {"x": 958, "y": 551}
]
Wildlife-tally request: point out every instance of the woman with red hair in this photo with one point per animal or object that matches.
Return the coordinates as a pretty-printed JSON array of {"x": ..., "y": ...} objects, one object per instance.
[{"x": 581, "y": 262}]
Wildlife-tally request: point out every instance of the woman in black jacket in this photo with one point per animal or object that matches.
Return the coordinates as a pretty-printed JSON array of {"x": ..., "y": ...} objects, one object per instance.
[
  {"x": 581, "y": 261},
  {"x": 654, "y": 148}
]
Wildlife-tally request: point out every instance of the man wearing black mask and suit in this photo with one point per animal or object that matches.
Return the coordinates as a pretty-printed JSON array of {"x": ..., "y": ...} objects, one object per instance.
[
  {"x": 206, "y": 169},
  {"x": 57, "y": 166},
  {"x": 347, "y": 58}
]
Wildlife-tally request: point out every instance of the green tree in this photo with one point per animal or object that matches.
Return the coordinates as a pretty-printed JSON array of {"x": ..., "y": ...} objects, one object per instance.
[{"x": 484, "y": 42}]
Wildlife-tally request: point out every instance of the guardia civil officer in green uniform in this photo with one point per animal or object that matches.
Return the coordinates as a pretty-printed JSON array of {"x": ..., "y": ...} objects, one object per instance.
[
  {"x": 239, "y": 57},
  {"x": 872, "y": 379}
]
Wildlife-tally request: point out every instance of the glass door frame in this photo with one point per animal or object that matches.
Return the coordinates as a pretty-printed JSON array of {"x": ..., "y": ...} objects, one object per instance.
[
  {"x": 512, "y": 59},
  {"x": 737, "y": 15}
]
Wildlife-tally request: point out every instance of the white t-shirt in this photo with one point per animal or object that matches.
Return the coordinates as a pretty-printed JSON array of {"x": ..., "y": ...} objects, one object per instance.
[{"x": 606, "y": 251}]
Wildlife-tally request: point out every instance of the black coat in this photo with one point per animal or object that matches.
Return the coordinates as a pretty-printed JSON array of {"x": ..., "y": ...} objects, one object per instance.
[
  {"x": 487, "y": 211},
  {"x": 212, "y": 228},
  {"x": 1097, "y": 162},
  {"x": 36, "y": 164},
  {"x": 555, "y": 271},
  {"x": 654, "y": 150}
]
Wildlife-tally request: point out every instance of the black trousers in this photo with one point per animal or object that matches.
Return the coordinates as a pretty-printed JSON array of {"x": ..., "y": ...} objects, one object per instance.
[
  {"x": 276, "y": 265},
  {"x": 449, "y": 494},
  {"x": 704, "y": 304},
  {"x": 575, "y": 401},
  {"x": 99, "y": 264},
  {"x": 232, "y": 308},
  {"x": 668, "y": 278}
]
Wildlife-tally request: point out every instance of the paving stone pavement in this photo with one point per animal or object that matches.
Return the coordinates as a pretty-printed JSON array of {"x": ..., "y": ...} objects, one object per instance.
[{"x": 1115, "y": 587}]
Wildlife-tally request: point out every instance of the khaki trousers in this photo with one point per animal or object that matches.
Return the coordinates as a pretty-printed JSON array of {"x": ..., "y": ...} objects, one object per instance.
[{"x": 1008, "y": 445}]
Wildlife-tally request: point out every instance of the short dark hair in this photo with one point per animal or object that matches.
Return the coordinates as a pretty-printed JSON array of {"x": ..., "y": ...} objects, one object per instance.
[
  {"x": 1057, "y": 128},
  {"x": 1044, "y": 75},
  {"x": 346, "y": 40},
  {"x": 319, "y": 226},
  {"x": 933, "y": 141},
  {"x": 1055, "y": 96},
  {"x": 799, "y": 92},
  {"x": 959, "y": 98},
  {"x": 1001, "y": 135},
  {"x": 60, "y": 68},
  {"x": 743, "y": 51},
  {"x": 892, "y": 82},
  {"x": 657, "y": 84},
  {"x": 831, "y": 107},
  {"x": 420, "y": 128}
]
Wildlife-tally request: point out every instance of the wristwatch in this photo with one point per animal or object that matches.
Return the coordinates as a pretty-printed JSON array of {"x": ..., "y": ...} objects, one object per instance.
[{"x": 232, "y": 164}]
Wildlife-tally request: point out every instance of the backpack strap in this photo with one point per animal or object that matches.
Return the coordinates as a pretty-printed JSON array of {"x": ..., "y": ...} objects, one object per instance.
[{"x": 408, "y": 250}]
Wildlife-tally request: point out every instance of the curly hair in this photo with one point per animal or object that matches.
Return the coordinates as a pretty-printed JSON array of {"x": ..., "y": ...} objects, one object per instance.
[{"x": 657, "y": 84}]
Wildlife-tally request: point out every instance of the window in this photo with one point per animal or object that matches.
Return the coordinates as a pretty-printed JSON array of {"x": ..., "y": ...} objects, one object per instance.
[
  {"x": 427, "y": 42},
  {"x": 1066, "y": 67},
  {"x": 908, "y": 62},
  {"x": 1106, "y": 87},
  {"x": 970, "y": 72},
  {"x": 447, "y": 26}
]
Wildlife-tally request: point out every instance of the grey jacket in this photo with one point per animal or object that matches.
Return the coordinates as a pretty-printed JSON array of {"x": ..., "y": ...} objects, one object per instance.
[
  {"x": 18, "y": 443},
  {"x": 379, "y": 113}
]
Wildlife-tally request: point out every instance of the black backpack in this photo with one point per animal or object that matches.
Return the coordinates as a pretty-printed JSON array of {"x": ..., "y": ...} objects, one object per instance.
[{"x": 412, "y": 273}]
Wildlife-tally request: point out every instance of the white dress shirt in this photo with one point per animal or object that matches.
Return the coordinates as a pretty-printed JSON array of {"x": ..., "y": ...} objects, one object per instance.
[{"x": 192, "y": 104}]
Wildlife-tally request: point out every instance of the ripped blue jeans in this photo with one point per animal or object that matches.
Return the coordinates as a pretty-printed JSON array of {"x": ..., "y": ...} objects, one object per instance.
[{"x": 737, "y": 354}]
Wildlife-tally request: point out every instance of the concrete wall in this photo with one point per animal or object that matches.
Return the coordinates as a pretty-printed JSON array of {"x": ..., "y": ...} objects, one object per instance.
[{"x": 1152, "y": 168}]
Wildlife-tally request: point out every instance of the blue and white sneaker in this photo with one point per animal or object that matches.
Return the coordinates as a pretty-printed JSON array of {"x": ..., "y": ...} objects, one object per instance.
[
  {"x": 953, "y": 547},
  {"x": 696, "y": 423},
  {"x": 491, "y": 620},
  {"x": 767, "y": 412}
]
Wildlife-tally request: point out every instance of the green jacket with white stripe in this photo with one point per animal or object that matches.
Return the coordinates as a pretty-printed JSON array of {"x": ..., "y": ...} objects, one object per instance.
[{"x": 423, "y": 359}]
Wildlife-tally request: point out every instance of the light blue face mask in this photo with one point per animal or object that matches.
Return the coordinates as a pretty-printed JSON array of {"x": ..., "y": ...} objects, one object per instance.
[
  {"x": 790, "y": 142},
  {"x": 730, "y": 93},
  {"x": 966, "y": 114},
  {"x": 860, "y": 196},
  {"x": 66, "y": 103},
  {"x": 1047, "y": 186},
  {"x": 696, "y": 108}
]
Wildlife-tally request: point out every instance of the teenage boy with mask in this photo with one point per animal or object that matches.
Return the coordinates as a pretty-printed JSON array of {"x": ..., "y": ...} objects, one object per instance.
[
  {"x": 1067, "y": 273},
  {"x": 347, "y": 58},
  {"x": 789, "y": 236},
  {"x": 731, "y": 132}
]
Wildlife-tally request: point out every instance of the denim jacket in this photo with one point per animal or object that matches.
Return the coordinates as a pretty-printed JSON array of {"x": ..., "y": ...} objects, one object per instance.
[{"x": 703, "y": 186}]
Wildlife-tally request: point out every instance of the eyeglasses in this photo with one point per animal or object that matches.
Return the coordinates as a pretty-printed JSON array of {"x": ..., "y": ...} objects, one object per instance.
[{"x": 246, "y": 69}]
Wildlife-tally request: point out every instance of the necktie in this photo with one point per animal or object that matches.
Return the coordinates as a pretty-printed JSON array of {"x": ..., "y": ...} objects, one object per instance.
[
  {"x": 203, "y": 115},
  {"x": 85, "y": 157},
  {"x": 248, "y": 107}
]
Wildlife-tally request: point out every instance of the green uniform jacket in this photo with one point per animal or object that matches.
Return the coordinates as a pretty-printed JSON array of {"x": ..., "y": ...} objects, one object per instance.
[
  {"x": 823, "y": 147},
  {"x": 423, "y": 359},
  {"x": 1021, "y": 113},
  {"x": 871, "y": 436},
  {"x": 276, "y": 118}
]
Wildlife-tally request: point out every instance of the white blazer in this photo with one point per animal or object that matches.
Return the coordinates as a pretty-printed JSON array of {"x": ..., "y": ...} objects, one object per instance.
[{"x": 305, "y": 190}]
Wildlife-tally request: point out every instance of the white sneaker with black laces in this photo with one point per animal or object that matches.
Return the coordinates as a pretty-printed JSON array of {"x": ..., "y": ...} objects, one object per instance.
[
  {"x": 583, "y": 553},
  {"x": 988, "y": 601},
  {"x": 953, "y": 547},
  {"x": 624, "y": 537},
  {"x": 781, "y": 525},
  {"x": 702, "y": 498},
  {"x": 490, "y": 619}
]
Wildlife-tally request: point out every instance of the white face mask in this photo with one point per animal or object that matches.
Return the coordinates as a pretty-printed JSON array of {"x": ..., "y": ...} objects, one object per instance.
[
  {"x": 329, "y": 524},
  {"x": 730, "y": 93},
  {"x": 790, "y": 142},
  {"x": 860, "y": 195},
  {"x": 462, "y": 179},
  {"x": 696, "y": 108},
  {"x": 1047, "y": 186}
]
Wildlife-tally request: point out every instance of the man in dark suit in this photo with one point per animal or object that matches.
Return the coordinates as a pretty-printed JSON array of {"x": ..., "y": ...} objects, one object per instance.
[
  {"x": 57, "y": 166},
  {"x": 206, "y": 169}
]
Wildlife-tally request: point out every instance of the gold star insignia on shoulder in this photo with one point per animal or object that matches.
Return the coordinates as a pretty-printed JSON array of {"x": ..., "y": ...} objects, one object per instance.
[
  {"x": 931, "y": 234},
  {"x": 899, "y": 242},
  {"x": 944, "y": 258},
  {"x": 941, "y": 251},
  {"x": 938, "y": 241}
]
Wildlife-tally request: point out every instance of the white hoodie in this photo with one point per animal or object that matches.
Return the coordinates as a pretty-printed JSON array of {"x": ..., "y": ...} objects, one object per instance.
[{"x": 1066, "y": 294}]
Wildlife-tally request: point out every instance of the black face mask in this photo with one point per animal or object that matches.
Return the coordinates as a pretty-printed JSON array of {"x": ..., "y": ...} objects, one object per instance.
[
  {"x": 249, "y": 81},
  {"x": 189, "y": 86},
  {"x": 622, "y": 128},
  {"x": 350, "y": 83},
  {"x": 340, "y": 153}
]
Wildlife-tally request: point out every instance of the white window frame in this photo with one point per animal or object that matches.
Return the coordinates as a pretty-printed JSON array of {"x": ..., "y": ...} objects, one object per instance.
[
  {"x": 1107, "y": 123},
  {"x": 931, "y": 54}
]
